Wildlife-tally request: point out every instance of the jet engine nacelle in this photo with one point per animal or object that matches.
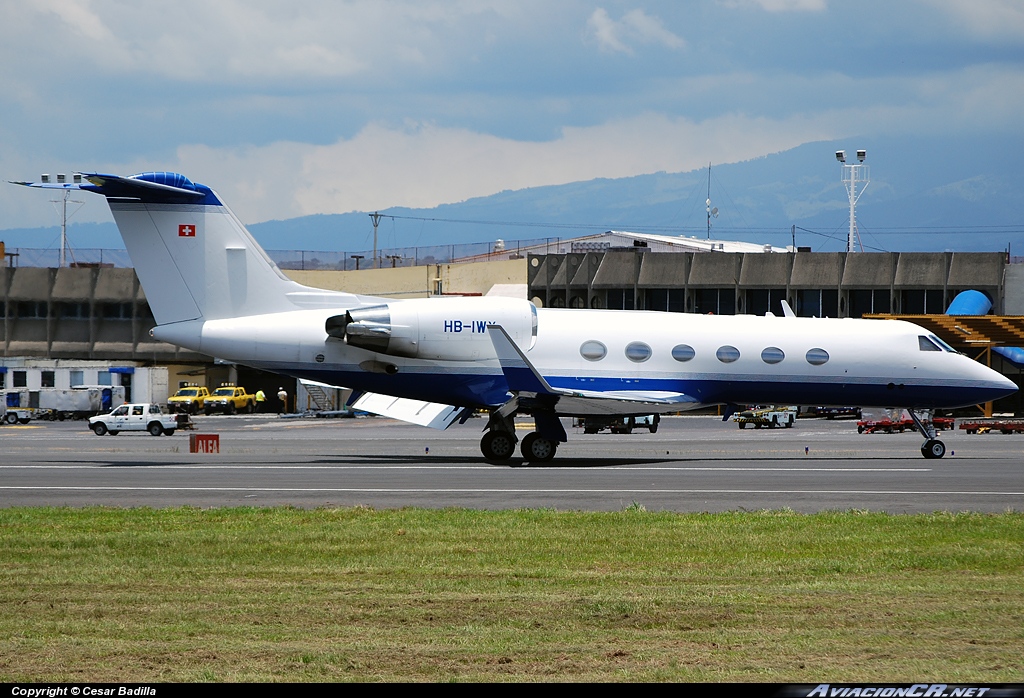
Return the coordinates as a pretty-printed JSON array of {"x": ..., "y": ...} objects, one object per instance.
[{"x": 446, "y": 329}]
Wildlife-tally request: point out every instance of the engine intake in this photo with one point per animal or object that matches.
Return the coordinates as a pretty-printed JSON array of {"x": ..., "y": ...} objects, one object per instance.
[{"x": 446, "y": 329}]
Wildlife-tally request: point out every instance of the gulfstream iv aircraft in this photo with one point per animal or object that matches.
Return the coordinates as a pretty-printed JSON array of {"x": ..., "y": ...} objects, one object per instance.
[{"x": 213, "y": 290}]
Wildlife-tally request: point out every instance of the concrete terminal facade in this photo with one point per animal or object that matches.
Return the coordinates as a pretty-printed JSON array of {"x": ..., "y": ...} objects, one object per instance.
[{"x": 815, "y": 284}]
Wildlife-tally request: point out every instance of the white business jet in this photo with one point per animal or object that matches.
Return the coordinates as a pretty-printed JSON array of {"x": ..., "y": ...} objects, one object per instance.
[{"x": 213, "y": 290}]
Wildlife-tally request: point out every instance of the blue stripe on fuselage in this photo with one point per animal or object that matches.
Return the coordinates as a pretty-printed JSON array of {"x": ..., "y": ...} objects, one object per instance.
[{"x": 489, "y": 390}]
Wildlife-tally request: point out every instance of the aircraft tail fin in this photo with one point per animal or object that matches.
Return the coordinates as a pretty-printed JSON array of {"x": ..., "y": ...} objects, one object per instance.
[{"x": 194, "y": 258}]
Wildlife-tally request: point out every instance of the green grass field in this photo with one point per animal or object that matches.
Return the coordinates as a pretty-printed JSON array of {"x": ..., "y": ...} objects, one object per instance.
[{"x": 436, "y": 595}]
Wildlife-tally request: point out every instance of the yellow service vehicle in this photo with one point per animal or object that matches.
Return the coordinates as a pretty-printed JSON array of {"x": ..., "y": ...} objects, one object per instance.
[
  {"x": 230, "y": 399},
  {"x": 189, "y": 399}
]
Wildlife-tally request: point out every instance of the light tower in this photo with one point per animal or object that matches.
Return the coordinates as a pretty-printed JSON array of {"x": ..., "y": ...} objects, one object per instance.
[{"x": 852, "y": 175}]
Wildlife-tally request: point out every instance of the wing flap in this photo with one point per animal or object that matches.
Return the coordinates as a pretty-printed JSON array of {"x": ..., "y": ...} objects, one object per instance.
[{"x": 426, "y": 414}]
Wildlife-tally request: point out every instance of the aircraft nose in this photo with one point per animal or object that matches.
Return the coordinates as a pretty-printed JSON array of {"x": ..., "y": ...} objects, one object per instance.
[{"x": 1007, "y": 386}]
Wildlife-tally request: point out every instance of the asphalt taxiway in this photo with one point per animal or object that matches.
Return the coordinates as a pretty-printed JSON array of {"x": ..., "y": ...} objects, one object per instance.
[{"x": 693, "y": 464}]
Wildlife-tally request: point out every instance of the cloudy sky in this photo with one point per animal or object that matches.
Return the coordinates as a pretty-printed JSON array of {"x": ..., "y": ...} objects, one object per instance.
[{"x": 328, "y": 107}]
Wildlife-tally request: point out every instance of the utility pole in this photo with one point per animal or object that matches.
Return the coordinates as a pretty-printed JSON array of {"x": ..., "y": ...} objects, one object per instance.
[
  {"x": 375, "y": 217},
  {"x": 711, "y": 211}
]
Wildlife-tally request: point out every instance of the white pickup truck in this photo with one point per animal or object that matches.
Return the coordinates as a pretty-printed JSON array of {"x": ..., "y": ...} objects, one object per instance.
[{"x": 142, "y": 416}]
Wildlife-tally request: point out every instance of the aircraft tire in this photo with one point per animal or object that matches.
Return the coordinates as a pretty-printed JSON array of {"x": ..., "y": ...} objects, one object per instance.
[
  {"x": 537, "y": 449},
  {"x": 933, "y": 448},
  {"x": 497, "y": 445},
  {"x": 99, "y": 428}
]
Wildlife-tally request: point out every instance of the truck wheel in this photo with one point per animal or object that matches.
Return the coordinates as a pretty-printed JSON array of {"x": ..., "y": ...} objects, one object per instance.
[
  {"x": 113, "y": 432},
  {"x": 12, "y": 418},
  {"x": 23, "y": 421},
  {"x": 230, "y": 409},
  {"x": 743, "y": 425},
  {"x": 250, "y": 407},
  {"x": 99, "y": 428},
  {"x": 168, "y": 432},
  {"x": 155, "y": 429}
]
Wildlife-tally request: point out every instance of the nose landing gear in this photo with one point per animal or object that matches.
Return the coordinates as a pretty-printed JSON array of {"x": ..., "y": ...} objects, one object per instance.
[{"x": 932, "y": 447}]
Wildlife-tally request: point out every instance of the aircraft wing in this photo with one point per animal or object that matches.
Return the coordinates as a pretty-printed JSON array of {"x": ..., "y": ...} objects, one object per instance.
[
  {"x": 426, "y": 414},
  {"x": 524, "y": 379}
]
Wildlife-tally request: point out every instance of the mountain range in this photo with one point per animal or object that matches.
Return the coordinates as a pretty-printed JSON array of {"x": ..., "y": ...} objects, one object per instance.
[{"x": 923, "y": 195}]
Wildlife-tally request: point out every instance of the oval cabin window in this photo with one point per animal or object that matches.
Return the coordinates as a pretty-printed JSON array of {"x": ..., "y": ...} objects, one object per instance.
[
  {"x": 638, "y": 352},
  {"x": 816, "y": 357},
  {"x": 683, "y": 352},
  {"x": 727, "y": 354},
  {"x": 592, "y": 350},
  {"x": 772, "y": 355}
]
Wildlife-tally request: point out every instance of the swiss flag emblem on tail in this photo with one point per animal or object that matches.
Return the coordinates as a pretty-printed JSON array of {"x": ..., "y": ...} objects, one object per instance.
[{"x": 186, "y": 231}]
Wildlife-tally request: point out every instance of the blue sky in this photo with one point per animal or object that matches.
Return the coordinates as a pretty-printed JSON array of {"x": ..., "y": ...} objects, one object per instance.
[{"x": 328, "y": 107}]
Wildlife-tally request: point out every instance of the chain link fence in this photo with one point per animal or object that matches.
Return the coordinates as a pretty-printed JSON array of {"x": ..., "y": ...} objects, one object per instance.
[{"x": 314, "y": 259}]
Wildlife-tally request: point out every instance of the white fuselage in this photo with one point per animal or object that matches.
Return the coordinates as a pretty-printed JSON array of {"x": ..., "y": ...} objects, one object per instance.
[{"x": 717, "y": 359}]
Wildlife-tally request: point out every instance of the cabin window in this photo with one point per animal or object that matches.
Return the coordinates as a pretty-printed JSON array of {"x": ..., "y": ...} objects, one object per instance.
[
  {"x": 683, "y": 352},
  {"x": 925, "y": 344},
  {"x": 592, "y": 350},
  {"x": 772, "y": 355},
  {"x": 727, "y": 354},
  {"x": 638, "y": 352},
  {"x": 942, "y": 344},
  {"x": 816, "y": 357}
]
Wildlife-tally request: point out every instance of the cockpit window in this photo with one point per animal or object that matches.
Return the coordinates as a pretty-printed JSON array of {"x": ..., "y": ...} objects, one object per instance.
[
  {"x": 942, "y": 344},
  {"x": 926, "y": 344}
]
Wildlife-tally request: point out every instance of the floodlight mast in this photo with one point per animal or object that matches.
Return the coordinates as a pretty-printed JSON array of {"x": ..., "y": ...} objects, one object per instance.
[
  {"x": 63, "y": 201},
  {"x": 851, "y": 176}
]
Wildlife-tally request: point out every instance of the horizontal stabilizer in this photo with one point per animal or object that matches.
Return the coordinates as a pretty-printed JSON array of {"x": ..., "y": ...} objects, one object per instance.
[
  {"x": 150, "y": 187},
  {"x": 425, "y": 414}
]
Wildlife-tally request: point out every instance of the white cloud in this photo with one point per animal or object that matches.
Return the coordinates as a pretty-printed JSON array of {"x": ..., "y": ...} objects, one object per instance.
[
  {"x": 986, "y": 18},
  {"x": 635, "y": 26},
  {"x": 423, "y": 165},
  {"x": 195, "y": 41},
  {"x": 781, "y": 5}
]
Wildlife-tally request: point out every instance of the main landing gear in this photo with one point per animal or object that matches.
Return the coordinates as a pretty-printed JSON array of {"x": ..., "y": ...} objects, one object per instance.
[
  {"x": 932, "y": 447},
  {"x": 499, "y": 443}
]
